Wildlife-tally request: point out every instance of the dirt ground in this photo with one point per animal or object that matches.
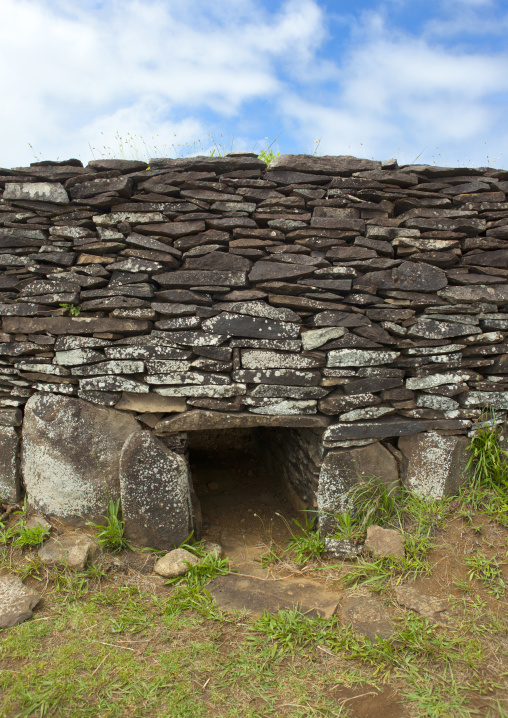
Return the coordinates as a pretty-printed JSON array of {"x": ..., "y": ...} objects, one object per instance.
[{"x": 95, "y": 639}]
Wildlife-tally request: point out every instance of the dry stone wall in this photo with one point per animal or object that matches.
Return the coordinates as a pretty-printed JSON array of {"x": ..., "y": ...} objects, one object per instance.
[{"x": 355, "y": 298}]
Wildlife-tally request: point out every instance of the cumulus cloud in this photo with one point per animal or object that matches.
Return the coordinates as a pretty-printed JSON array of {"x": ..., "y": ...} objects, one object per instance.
[
  {"x": 68, "y": 67},
  {"x": 80, "y": 75},
  {"x": 406, "y": 95}
]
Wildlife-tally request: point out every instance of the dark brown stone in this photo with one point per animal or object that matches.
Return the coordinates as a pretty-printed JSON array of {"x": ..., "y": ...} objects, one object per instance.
[
  {"x": 219, "y": 260},
  {"x": 326, "y": 164},
  {"x": 72, "y": 325}
]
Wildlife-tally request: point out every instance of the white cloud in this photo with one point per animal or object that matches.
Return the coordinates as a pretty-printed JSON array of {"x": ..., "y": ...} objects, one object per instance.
[
  {"x": 403, "y": 93},
  {"x": 74, "y": 74},
  {"x": 66, "y": 68}
]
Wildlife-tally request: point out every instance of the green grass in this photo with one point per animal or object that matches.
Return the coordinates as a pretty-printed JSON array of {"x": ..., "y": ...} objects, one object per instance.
[{"x": 111, "y": 537}]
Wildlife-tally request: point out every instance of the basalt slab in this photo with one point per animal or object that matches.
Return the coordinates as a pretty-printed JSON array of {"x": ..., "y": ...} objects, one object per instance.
[
  {"x": 205, "y": 420},
  {"x": 70, "y": 456},
  {"x": 155, "y": 493},
  {"x": 72, "y": 325},
  {"x": 433, "y": 465},
  {"x": 10, "y": 489},
  {"x": 343, "y": 469}
]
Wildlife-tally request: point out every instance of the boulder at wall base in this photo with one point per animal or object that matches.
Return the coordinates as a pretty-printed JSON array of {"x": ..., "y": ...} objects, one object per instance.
[
  {"x": 155, "y": 493},
  {"x": 70, "y": 456},
  {"x": 434, "y": 465},
  {"x": 9, "y": 464},
  {"x": 343, "y": 469}
]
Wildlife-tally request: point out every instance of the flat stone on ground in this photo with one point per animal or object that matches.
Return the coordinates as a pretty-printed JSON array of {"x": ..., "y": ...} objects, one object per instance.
[
  {"x": 256, "y": 593},
  {"x": 368, "y": 616},
  {"x": 431, "y": 607},
  {"x": 16, "y": 601},
  {"x": 382, "y": 542},
  {"x": 72, "y": 550}
]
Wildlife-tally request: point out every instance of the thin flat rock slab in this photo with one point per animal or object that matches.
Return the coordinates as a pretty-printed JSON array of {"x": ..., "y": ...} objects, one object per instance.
[
  {"x": 368, "y": 616},
  {"x": 16, "y": 601},
  {"x": 433, "y": 608},
  {"x": 205, "y": 420},
  {"x": 256, "y": 595}
]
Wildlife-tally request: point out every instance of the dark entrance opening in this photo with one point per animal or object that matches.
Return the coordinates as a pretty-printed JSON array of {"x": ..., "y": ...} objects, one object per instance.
[{"x": 245, "y": 504}]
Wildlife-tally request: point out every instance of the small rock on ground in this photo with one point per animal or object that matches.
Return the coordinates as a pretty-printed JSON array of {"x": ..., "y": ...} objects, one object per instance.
[
  {"x": 368, "y": 616},
  {"x": 175, "y": 563},
  {"x": 431, "y": 607},
  {"x": 342, "y": 548},
  {"x": 214, "y": 548},
  {"x": 73, "y": 550},
  {"x": 382, "y": 542},
  {"x": 16, "y": 601},
  {"x": 35, "y": 521}
]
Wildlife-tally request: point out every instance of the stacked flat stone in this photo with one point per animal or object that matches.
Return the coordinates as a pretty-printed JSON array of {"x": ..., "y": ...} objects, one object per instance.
[{"x": 353, "y": 296}]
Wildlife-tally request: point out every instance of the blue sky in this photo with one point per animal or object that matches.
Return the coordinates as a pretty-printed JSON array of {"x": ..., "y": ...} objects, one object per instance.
[{"x": 412, "y": 79}]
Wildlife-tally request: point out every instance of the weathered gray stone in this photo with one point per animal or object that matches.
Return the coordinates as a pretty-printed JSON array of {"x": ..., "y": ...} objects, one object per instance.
[
  {"x": 256, "y": 594},
  {"x": 369, "y": 412},
  {"x": 202, "y": 277},
  {"x": 206, "y": 390},
  {"x": 16, "y": 601},
  {"x": 495, "y": 399},
  {"x": 317, "y": 337},
  {"x": 269, "y": 271},
  {"x": 415, "y": 277},
  {"x": 72, "y": 550},
  {"x": 390, "y": 427},
  {"x": 155, "y": 492},
  {"x": 425, "y": 382},
  {"x": 293, "y": 392},
  {"x": 11, "y": 417},
  {"x": 188, "y": 377},
  {"x": 359, "y": 357},
  {"x": 71, "y": 454},
  {"x": 434, "y": 329},
  {"x": 259, "y": 309},
  {"x": 110, "y": 367},
  {"x": 342, "y": 548},
  {"x": 75, "y": 357},
  {"x": 202, "y": 420},
  {"x": 113, "y": 383},
  {"x": 292, "y": 377},
  {"x": 341, "y": 470},
  {"x": 36, "y": 191},
  {"x": 382, "y": 542},
  {"x": 258, "y": 359},
  {"x": 151, "y": 403},
  {"x": 337, "y": 403},
  {"x": 10, "y": 489},
  {"x": 434, "y": 465},
  {"x": 343, "y": 165},
  {"x": 458, "y": 295},
  {"x": 287, "y": 406}
]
